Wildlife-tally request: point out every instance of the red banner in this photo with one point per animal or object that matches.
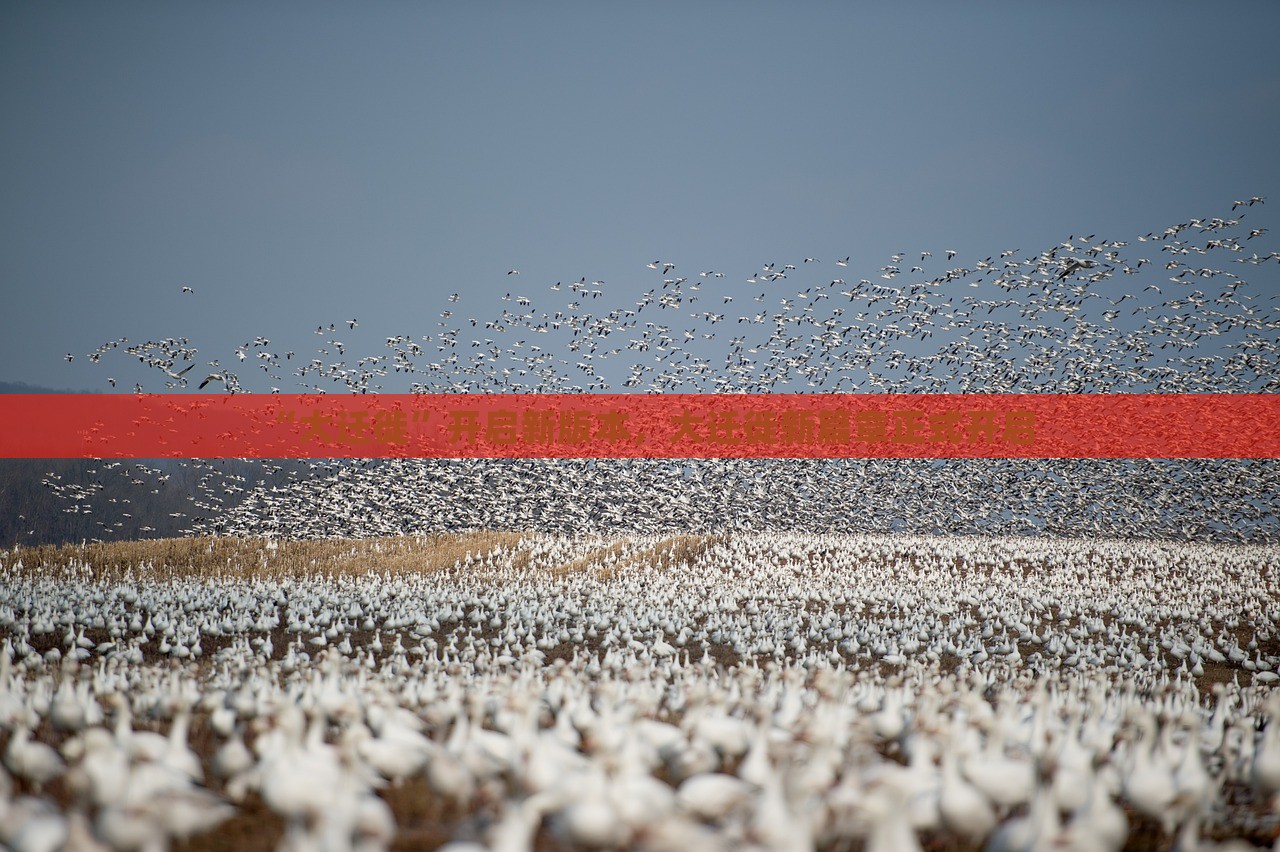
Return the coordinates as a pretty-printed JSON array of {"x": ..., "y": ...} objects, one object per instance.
[{"x": 640, "y": 426}]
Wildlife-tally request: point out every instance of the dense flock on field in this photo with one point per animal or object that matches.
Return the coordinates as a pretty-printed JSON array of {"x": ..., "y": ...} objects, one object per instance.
[
  {"x": 690, "y": 654},
  {"x": 748, "y": 691}
]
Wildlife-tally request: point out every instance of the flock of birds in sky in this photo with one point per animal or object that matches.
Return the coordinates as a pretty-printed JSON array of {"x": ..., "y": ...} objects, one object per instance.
[
  {"x": 759, "y": 691},
  {"x": 1190, "y": 308},
  {"x": 1089, "y": 314}
]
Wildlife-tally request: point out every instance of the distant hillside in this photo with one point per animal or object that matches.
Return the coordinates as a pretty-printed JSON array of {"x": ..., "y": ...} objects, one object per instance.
[
  {"x": 95, "y": 500},
  {"x": 23, "y": 387},
  {"x": 31, "y": 512}
]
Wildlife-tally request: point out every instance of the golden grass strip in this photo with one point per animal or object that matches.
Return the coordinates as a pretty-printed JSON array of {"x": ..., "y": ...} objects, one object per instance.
[{"x": 208, "y": 557}]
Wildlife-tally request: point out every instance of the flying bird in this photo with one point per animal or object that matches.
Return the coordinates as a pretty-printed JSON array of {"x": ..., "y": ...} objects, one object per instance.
[
  {"x": 168, "y": 371},
  {"x": 1075, "y": 265}
]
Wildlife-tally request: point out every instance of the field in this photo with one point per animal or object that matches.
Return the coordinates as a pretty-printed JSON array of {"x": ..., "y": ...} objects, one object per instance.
[{"x": 515, "y": 691}]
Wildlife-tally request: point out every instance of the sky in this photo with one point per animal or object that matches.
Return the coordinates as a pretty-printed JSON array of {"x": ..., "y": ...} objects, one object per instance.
[{"x": 299, "y": 164}]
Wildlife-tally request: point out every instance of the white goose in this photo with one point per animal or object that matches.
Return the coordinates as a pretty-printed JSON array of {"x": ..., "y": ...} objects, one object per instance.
[
  {"x": 233, "y": 757},
  {"x": 30, "y": 823},
  {"x": 963, "y": 808},
  {"x": 100, "y": 775},
  {"x": 713, "y": 795},
  {"x": 885, "y": 809},
  {"x": 31, "y": 760},
  {"x": 1100, "y": 823},
  {"x": 1264, "y": 769},
  {"x": 68, "y": 712},
  {"x": 1006, "y": 781},
  {"x": 1149, "y": 784},
  {"x": 590, "y": 817}
]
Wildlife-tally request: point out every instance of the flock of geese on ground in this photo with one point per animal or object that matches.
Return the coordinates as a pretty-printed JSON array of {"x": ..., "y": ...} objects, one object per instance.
[{"x": 754, "y": 691}]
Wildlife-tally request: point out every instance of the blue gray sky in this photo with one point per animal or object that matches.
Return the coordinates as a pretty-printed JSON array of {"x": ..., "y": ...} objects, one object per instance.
[{"x": 298, "y": 164}]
